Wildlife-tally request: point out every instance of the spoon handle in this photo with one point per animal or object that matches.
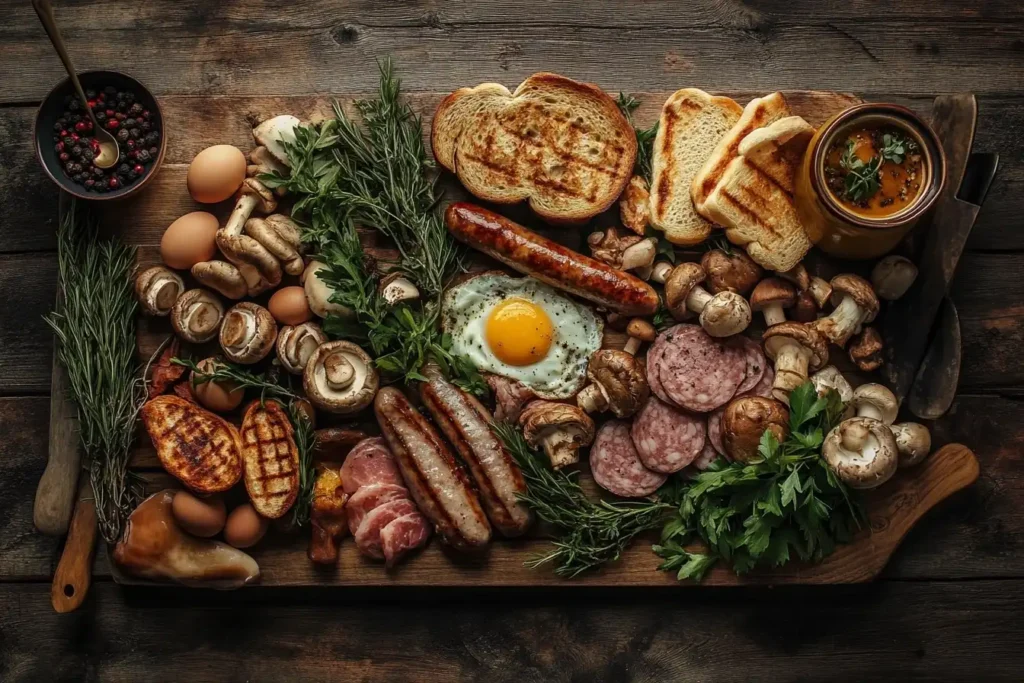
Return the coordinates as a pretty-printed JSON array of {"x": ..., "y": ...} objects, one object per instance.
[{"x": 45, "y": 11}]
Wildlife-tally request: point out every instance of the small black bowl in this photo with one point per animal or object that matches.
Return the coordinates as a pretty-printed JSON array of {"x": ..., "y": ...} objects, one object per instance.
[{"x": 53, "y": 106}]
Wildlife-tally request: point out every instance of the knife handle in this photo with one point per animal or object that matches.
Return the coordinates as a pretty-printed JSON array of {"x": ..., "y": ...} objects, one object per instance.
[{"x": 73, "y": 577}]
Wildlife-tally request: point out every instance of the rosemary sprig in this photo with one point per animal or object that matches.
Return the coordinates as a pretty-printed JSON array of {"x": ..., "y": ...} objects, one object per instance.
[
  {"x": 95, "y": 328},
  {"x": 644, "y": 138},
  {"x": 240, "y": 377},
  {"x": 305, "y": 440}
]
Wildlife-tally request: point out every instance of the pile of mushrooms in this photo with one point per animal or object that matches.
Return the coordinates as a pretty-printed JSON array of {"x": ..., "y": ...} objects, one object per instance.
[
  {"x": 721, "y": 315},
  {"x": 560, "y": 429}
]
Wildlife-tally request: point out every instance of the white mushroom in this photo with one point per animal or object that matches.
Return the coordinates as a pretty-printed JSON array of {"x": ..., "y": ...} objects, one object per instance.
[
  {"x": 725, "y": 314},
  {"x": 279, "y": 234},
  {"x": 892, "y": 277},
  {"x": 318, "y": 293},
  {"x": 721, "y": 315},
  {"x": 262, "y": 161},
  {"x": 855, "y": 303},
  {"x": 340, "y": 378},
  {"x": 248, "y": 333},
  {"x": 796, "y": 349},
  {"x": 639, "y": 331},
  {"x": 829, "y": 377},
  {"x": 875, "y": 401},
  {"x": 258, "y": 266},
  {"x": 862, "y": 452},
  {"x": 157, "y": 289},
  {"x": 660, "y": 271},
  {"x": 197, "y": 315},
  {"x": 272, "y": 133},
  {"x": 296, "y": 345},
  {"x": 913, "y": 441},
  {"x": 222, "y": 276},
  {"x": 396, "y": 288}
]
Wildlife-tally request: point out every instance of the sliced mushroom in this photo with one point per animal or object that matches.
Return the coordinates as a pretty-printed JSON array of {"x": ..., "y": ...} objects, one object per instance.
[
  {"x": 273, "y": 133},
  {"x": 197, "y": 315},
  {"x": 829, "y": 378},
  {"x": 157, "y": 289},
  {"x": 340, "y": 378},
  {"x": 639, "y": 331},
  {"x": 221, "y": 276},
  {"x": 875, "y": 401},
  {"x": 721, "y": 315},
  {"x": 730, "y": 272},
  {"x": 257, "y": 265},
  {"x": 795, "y": 348},
  {"x": 866, "y": 349},
  {"x": 262, "y": 162},
  {"x": 560, "y": 429},
  {"x": 634, "y": 207},
  {"x": 396, "y": 288},
  {"x": 770, "y": 297},
  {"x": 618, "y": 383},
  {"x": 626, "y": 252},
  {"x": 248, "y": 333},
  {"x": 746, "y": 419},
  {"x": 280, "y": 235},
  {"x": 913, "y": 441},
  {"x": 862, "y": 452},
  {"x": 855, "y": 304},
  {"x": 893, "y": 276},
  {"x": 318, "y": 293},
  {"x": 297, "y": 344}
]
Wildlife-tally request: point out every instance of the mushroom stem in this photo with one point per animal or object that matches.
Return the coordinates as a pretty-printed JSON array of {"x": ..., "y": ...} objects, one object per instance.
[
  {"x": 697, "y": 299},
  {"x": 854, "y": 437},
  {"x": 201, "y": 318},
  {"x": 592, "y": 399},
  {"x": 640, "y": 255},
  {"x": 339, "y": 371},
  {"x": 632, "y": 345},
  {"x": 561, "y": 448},
  {"x": 240, "y": 214},
  {"x": 660, "y": 271},
  {"x": 773, "y": 315},
  {"x": 843, "y": 322},
  {"x": 820, "y": 291},
  {"x": 791, "y": 366}
]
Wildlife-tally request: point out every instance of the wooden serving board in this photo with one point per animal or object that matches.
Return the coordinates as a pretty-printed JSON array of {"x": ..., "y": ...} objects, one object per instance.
[{"x": 194, "y": 123}]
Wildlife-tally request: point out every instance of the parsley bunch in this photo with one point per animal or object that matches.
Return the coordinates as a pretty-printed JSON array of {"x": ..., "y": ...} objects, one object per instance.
[{"x": 786, "y": 503}]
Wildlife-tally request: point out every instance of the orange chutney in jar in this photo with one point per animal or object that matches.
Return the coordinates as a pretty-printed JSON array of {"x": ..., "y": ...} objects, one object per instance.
[{"x": 874, "y": 171}]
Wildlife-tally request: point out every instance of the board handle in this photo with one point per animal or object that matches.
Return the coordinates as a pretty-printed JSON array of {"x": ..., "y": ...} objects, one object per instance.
[
  {"x": 55, "y": 495},
  {"x": 73, "y": 577}
]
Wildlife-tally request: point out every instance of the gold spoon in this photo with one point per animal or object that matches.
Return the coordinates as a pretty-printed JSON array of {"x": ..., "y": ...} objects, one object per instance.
[{"x": 109, "y": 152}]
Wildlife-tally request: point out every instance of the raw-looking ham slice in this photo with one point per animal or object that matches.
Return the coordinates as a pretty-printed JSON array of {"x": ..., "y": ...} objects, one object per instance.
[
  {"x": 368, "y": 534},
  {"x": 699, "y": 372},
  {"x": 368, "y": 497},
  {"x": 403, "y": 535},
  {"x": 616, "y": 465},
  {"x": 369, "y": 462},
  {"x": 667, "y": 439},
  {"x": 755, "y": 362}
]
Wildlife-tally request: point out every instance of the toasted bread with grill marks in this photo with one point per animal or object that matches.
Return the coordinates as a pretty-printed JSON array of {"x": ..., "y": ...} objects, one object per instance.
[
  {"x": 270, "y": 457},
  {"x": 561, "y": 145},
  {"x": 777, "y": 150},
  {"x": 201, "y": 449}
]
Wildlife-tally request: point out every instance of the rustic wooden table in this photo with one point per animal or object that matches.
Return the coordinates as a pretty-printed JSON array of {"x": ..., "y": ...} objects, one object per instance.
[{"x": 948, "y": 605}]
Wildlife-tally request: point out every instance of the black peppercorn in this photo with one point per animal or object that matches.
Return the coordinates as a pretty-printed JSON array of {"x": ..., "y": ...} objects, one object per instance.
[
  {"x": 76, "y": 151},
  {"x": 143, "y": 156},
  {"x": 69, "y": 167},
  {"x": 129, "y": 122},
  {"x": 124, "y": 169},
  {"x": 146, "y": 126},
  {"x": 135, "y": 133},
  {"x": 101, "y": 116},
  {"x": 57, "y": 127},
  {"x": 74, "y": 105},
  {"x": 152, "y": 138},
  {"x": 135, "y": 109},
  {"x": 75, "y": 167},
  {"x": 78, "y": 177},
  {"x": 88, "y": 155},
  {"x": 123, "y": 134},
  {"x": 97, "y": 171}
]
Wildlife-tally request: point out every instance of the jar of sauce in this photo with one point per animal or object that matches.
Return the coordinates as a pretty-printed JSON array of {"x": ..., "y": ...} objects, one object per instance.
[{"x": 867, "y": 177}]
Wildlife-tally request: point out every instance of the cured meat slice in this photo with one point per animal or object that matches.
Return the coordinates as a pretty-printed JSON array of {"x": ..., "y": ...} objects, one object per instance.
[
  {"x": 616, "y": 465},
  {"x": 368, "y": 534},
  {"x": 368, "y": 497},
  {"x": 762, "y": 388},
  {"x": 403, "y": 535},
  {"x": 654, "y": 357},
  {"x": 369, "y": 462},
  {"x": 699, "y": 372},
  {"x": 666, "y": 439},
  {"x": 755, "y": 362},
  {"x": 707, "y": 456},
  {"x": 764, "y": 385},
  {"x": 715, "y": 430}
]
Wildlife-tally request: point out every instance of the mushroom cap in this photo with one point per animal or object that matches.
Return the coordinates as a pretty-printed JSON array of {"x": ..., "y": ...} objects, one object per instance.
[
  {"x": 279, "y": 235},
  {"x": 829, "y": 377},
  {"x": 275, "y": 131},
  {"x": 318, "y": 292},
  {"x": 798, "y": 275},
  {"x": 805, "y": 309},
  {"x": 539, "y": 418},
  {"x": 772, "y": 291},
  {"x": 197, "y": 315},
  {"x": 340, "y": 378},
  {"x": 892, "y": 276},
  {"x": 876, "y": 397},
  {"x": 726, "y": 314},
  {"x": 858, "y": 289},
  {"x": 244, "y": 250},
  {"x": 297, "y": 344},
  {"x": 642, "y": 330},
  {"x": 248, "y": 333},
  {"x": 744, "y": 422},
  {"x": 861, "y": 451},
  {"x": 913, "y": 441},
  {"x": 253, "y": 187},
  {"x": 222, "y": 276},
  {"x": 730, "y": 272},
  {"x": 157, "y": 288},
  {"x": 678, "y": 284},
  {"x": 622, "y": 379},
  {"x": 777, "y": 336},
  {"x": 866, "y": 349}
]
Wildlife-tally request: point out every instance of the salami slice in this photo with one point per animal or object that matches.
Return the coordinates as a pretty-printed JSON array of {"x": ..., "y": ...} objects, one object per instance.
[
  {"x": 616, "y": 465},
  {"x": 755, "y": 362},
  {"x": 707, "y": 456},
  {"x": 667, "y": 439},
  {"x": 654, "y": 359},
  {"x": 715, "y": 430},
  {"x": 764, "y": 385},
  {"x": 699, "y": 372}
]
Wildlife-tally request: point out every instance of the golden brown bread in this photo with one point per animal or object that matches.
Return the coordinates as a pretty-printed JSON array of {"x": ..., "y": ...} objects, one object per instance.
[
  {"x": 270, "y": 457},
  {"x": 201, "y": 449},
  {"x": 778, "y": 149}
]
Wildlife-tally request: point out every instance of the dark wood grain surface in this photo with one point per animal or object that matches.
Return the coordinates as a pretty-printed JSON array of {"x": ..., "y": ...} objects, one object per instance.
[{"x": 948, "y": 605}]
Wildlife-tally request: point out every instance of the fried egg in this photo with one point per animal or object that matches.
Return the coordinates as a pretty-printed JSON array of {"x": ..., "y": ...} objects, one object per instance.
[{"x": 524, "y": 330}]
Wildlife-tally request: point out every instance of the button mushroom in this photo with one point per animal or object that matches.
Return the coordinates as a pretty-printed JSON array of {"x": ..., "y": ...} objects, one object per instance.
[
  {"x": 808, "y": 285},
  {"x": 248, "y": 333},
  {"x": 221, "y": 276},
  {"x": 721, "y": 315},
  {"x": 875, "y": 401},
  {"x": 634, "y": 207},
  {"x": 770, "y": 297},
  {"x": 829, "y": 378},
  {"x": 893, "y": 276},
  {"x": 340, "y": 378},
  {"x": 795, "y": 348},
  {"x": 155, "y": 547},
  {"x": 746, "y": 419},
  {"x": 805, "y": 309},
  {"x": 157, "y": 289},
  {"x": 913, "y": 441},
  {"x": 279, "y": 234},
  {"x": 861, "y": 451},
  {"x": 618, "y": 384},
  {"x": 731, "y": 271},
  {"x": 274, "y": 133},
  {"x": 626, "y": 252},
  {"x": 866, "y": 349},
  {"x": 197, "y": 315},
  {"x": 855, "y": 304},
  {"x": 318, "y": 292},
  {"x": 560, "y": 429},
  {"x": 396, "y": 288},
  {"x": 297, "y": 344},
  {"x": 639, "y": 331}
]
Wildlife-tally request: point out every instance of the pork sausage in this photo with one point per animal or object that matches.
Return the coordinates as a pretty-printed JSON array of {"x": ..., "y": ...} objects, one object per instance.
[
  {"x": 548, "y": 261},
  {"x": 435, "y": 479}
]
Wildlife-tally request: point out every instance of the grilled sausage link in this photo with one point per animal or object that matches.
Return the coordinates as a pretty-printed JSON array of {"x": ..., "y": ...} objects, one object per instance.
[
  {"x": 435, "y": 479},
  {"x": 467, "y": 426},
  {"x": 334, "y": 443},
  {"x": 548, "y": 261}
]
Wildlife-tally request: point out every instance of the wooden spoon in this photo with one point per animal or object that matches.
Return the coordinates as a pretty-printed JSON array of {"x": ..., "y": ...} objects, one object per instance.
[{"x": 73, "y": 577}]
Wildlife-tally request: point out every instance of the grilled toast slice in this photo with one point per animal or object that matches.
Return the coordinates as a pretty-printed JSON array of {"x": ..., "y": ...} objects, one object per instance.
[
  {"x": 561, "y": 145},
  {"x": 201, "y": 449},
  {"x": 691, "y": 124},
  {"x": 777, "y": 150},
  {"x": 270, "y": 458}
]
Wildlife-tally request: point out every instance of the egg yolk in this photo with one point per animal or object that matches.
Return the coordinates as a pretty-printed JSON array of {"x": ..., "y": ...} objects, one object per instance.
[{"x": 519, "y": 332}]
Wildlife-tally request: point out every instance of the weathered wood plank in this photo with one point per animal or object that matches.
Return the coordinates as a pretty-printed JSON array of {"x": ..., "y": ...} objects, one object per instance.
[
  {"x": 521, "y": 637},
  {"x": 28, "y": 283}
]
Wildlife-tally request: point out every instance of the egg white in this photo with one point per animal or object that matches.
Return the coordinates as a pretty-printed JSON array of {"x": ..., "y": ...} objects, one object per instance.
[{"x": 577, "y": 332}]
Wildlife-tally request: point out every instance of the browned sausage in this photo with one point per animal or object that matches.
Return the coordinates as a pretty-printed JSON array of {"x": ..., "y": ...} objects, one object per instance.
[
  {"x": 548, "y": 261},
  {"x": 467, "y": 426},
  {"x": 334, "y": 443},
  {"x": 435, "y": 479}
]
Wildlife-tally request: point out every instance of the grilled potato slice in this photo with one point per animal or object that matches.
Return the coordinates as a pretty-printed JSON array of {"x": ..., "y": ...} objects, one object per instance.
[
  {"x": 201, "y": 449},
  {"x": 270, "y": 457}
]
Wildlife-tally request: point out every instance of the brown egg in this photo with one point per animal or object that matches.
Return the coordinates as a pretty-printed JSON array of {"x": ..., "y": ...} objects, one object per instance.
[
  {"x": 189, "y": 240},
  {"x": 203, "y": 517},
  {"x": 215, "y": 174},
  {"x": 288, "y": 305},
  {"x": 245, "y": 527},
  {"x": 219, "y": 396}
]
